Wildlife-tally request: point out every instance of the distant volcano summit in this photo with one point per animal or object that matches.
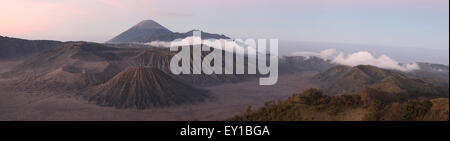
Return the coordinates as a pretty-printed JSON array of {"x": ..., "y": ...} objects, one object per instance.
[
  {"x": 141, "y": 32},
  {"x": 149, "y": 30},
  {"x": 150, "y": 24}
]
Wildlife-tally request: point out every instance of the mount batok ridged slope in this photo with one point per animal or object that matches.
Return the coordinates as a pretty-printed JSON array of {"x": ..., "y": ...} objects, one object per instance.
[{"x": 142, "y": 88}]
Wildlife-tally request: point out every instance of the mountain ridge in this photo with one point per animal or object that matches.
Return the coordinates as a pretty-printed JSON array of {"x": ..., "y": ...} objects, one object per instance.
[
  {"x": 347, "y": 80},
  {"x": 15, "y": 48},
  {"x": 149, "y": 30}
]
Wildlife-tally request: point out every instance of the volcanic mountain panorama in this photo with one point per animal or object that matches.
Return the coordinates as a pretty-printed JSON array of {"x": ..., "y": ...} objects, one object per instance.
[{"x": 125, "y": 79}]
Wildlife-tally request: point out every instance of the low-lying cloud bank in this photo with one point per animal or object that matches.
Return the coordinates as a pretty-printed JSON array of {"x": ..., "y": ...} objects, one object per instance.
[
  {"x": 360, "y": 58},
  {"x": 325, "y": 54},
  {"x": 224, "y": 44},
  {"x": 352, "y": 59}
]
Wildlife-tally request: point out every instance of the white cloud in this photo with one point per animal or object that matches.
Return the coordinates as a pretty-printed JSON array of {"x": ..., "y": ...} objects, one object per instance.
[
  {"x": 361, "y": 58},
  {"x": 158, "y": 44},
  {"x": 325, "y": 54},
  {"x": 366, "y": 58},
  {"x": 225, "y": 44}
]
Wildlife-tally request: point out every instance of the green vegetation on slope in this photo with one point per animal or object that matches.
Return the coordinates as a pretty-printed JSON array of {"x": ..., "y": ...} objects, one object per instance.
[
  {"x": 348, "y": 80},
  {"x": 313, "y": 105}
]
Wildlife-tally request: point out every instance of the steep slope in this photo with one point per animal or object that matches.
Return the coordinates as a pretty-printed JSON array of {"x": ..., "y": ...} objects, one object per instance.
[
  {"x": 153, "y": 58},
  {"x": 160, "y": 58},
  {"x": 173, "y": 36},
  {"x": 343, "y": 79},
  {"x": 141, "y": 32},
  {"x": 347, "y": 80},
  {"x": 141, "y": 88},
  {"x": 12, "y": 48},
  {"x": 149, "y": 30}
]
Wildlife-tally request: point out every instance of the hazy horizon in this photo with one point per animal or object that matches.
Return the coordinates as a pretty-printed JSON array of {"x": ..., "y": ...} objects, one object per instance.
[
  {"x": 400, "y": 54},
  {"x": 406, "y": 25}
]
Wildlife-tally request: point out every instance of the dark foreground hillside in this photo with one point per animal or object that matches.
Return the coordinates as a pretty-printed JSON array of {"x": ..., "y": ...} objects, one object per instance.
[{"x": 368, "y": 104}]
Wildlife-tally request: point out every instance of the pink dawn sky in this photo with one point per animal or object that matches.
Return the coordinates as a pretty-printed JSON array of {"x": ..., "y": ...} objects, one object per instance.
[{"x": 415, "y": 23}]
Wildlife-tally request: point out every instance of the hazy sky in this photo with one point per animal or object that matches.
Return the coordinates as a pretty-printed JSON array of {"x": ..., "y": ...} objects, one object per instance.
[{"x": 403, "y": 23}]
